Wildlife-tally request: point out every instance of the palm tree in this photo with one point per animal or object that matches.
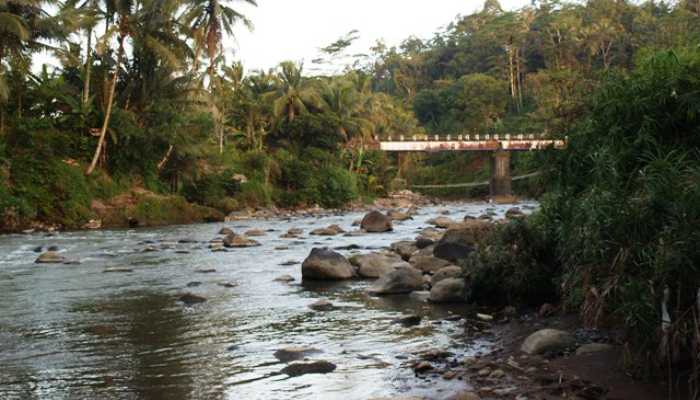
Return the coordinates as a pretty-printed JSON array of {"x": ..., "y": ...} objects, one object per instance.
[
  {"x": 209, "y": 20},
  {"x": 122, "y": 28},
  {"x": 251, "y": 109},
  {"x": 292, "y": 91},
  {"x": 26, "y": 27},
  {"x": 341, "y": 98}
]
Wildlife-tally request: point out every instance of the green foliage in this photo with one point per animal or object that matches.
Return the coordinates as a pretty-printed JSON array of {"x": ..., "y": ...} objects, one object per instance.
[
  {"x": 516, "y": 269},
  {"x": 254, "y": 193},
  {"x": 313, "y": 130},
  {"x": 212, "y": 189},
  {"x": 625, "y": 206},
  {"x": 304, "y": 183},
  {"x": 336, "y": 186},
  {"x": 52, "y": 191}
]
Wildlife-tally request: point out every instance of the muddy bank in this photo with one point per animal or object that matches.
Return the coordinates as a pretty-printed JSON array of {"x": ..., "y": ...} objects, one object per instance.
[{"x": 586, "y": 370}]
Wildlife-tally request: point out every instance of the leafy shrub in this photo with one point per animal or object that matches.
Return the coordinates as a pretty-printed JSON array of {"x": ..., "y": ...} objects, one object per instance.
[
  {"x": 211, "y": 189},
  {"x": 254, "y": 193},
  {"x": 335, "y": 186},
  {"x": 625, "y": 204},
  {"x": 516, "y": 269}
]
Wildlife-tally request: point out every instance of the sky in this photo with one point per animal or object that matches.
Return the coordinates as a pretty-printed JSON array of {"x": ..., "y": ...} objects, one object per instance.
[{"x": 295, "y": 30}]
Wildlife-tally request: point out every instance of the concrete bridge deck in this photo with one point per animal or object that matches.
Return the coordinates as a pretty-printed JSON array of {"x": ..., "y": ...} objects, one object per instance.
[
  {"x": 499, "y": 145},
  {"x": 469, "y": 143}
]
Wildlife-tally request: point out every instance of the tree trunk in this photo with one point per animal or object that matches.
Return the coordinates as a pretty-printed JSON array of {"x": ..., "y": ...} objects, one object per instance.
[
  {"x": 165, "y": 158},
  {"x": 110, "y": 101},
  {"x": 88, "y": 62}
]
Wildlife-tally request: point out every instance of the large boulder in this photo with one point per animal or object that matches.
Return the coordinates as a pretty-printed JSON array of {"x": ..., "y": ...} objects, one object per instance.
[
  {"x": 404, "y": 249},
  {"x": 472, "y": 232},
  {"x": 326, "y": 264},
  {"x": 376, "y": 265},
  {"x": 445, "y": 273},
  {"x": 374, "y": 221},
  {"x": 50, "y": 257},
  {"x": 451, "y": 251},
  {"x": 426, "y": 263},
  {"x": 450, "y": 290},
  {"x": 403, "y": 280},
  {"x": 548, "y": 340}
]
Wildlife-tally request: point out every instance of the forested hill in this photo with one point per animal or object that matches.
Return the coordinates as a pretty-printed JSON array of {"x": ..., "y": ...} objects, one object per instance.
[{"x": 147, "y": 98}]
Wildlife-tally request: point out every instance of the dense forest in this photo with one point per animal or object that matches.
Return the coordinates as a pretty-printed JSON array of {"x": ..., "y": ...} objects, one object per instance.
[
  {"x": 148, "y": 104},
  {"x": 147, "y": 98}
]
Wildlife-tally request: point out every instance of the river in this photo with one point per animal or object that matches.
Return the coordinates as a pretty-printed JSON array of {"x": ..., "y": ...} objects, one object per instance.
[{"x": 72, "y": 331}]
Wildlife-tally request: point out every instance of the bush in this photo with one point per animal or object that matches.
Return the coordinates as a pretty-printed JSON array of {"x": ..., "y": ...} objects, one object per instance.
[
  {"x": 623, "y": 213},
  {"x": 254, "y": 193},
  {"x": 212, "y": 189},
  {"x": 517, "y": 269},
  {"x": 335, "y": 186}
]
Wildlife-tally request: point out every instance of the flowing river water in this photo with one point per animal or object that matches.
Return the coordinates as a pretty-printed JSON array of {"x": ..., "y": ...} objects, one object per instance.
[{"x": 72, "y": 331}]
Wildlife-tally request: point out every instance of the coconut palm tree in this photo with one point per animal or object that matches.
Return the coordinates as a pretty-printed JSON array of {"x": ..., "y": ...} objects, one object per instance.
[
  {"x": 340, "y": 97},
  {"x": 209, "y": 21},
  {"x": 292, "y": 91},
  {"x": 122, "y": 28}
]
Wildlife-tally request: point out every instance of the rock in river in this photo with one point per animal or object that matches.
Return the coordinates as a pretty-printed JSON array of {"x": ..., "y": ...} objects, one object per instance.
[
  {"x": 450, "y": 290},
  {"x": 326, "y": 264},
  {"x": 375, "y": 221},
  {"x": 50, "y": 257},
  {"x": 403, "y": 280},
  {"x": 189, "y": 298},
  {"x": 315, "y": 367}
]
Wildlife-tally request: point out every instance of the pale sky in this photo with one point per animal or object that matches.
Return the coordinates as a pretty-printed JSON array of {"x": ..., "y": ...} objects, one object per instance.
[{"x": 295, "y": 30}]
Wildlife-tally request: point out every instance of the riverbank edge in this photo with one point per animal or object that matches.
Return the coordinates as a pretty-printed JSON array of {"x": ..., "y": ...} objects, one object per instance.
[{"x": 141, "y": 208}]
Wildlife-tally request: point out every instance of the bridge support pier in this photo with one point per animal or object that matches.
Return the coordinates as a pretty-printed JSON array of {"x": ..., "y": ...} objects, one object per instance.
[{"x": 500, "y": 174}]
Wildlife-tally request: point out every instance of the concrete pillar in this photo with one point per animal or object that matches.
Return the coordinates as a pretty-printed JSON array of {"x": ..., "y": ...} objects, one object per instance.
[{"x": 500, "y": 174}]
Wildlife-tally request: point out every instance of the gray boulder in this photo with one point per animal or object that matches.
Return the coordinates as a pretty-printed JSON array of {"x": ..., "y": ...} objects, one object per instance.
[
  {"x": 49, "y": 257},
  {"x": 472, "y": 232},
  {"x": 374, "y": 221},
  {"x": 403, "y": 280},
  {"x": 451, "y": 251},
  {"x": 548, "y": 340},
  {"x": 326, "y": 264},
  {"x": 445, "y": 273},
  {"x": 450, "y": 290},
  {"x": 376, "y": 265},
  {"x": 427, "y": 263},
  {"x": 404, "y": 249}
]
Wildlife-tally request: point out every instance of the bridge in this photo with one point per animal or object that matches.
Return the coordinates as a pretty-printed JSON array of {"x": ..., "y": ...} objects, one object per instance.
[{"x": 499, "y": 145}]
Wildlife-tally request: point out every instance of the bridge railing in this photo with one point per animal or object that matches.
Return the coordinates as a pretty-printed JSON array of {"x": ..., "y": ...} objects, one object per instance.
[{"x": 465, "y": 138}]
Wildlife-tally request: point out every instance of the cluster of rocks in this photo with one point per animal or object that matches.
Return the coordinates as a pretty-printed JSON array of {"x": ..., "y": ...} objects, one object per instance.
[{"x": 427, "y": 267}]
